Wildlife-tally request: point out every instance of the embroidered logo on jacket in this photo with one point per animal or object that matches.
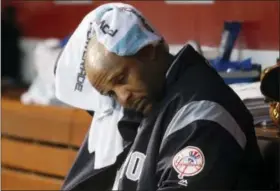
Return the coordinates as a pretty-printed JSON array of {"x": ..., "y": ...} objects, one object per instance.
[{"x": 188, "y": 162}]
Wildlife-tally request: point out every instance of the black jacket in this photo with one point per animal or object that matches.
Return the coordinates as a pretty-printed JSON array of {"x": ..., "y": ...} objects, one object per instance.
[{"x": 200, "y": 136}]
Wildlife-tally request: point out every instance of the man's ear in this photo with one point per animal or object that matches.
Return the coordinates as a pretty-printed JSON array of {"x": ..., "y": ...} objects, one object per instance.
[{"x": 148, "y": 53}]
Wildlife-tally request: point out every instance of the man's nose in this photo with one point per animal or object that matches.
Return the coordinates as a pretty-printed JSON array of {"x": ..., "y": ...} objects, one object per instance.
[{"x": 123, "y": 95}]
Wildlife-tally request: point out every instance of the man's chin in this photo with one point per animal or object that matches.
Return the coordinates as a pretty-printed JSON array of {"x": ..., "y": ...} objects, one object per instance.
[{"x": 146, "y": 110}]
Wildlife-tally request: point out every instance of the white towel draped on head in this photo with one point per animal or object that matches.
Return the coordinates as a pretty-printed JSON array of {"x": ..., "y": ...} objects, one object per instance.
[{"x": 122, "y": 30}]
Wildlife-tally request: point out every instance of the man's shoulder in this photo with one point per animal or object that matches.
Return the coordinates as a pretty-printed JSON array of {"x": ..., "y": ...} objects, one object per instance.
[{"x": 209, "y": 87}]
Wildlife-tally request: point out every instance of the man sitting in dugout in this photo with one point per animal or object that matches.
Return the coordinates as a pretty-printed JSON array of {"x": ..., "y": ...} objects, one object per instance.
[{"x": 195, "y": 133}]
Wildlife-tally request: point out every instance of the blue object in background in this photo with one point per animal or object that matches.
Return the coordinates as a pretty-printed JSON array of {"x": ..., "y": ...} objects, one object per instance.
[
  {"x": 237, "y": 71},
  {"x": 229, "y": 37},
  {"x": 234, "y": 71},
  {"x": 221, "y": 65}
]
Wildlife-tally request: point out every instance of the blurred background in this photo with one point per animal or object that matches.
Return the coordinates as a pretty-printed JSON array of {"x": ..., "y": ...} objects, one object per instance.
[{"x": 41, "y": 135}]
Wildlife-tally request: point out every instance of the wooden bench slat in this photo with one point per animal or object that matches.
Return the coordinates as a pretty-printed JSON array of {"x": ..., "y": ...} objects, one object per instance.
[
  {"x": 15, "y": 180},
  {"x": 50, "y": 124},
  {"x": 30, "y": 126},
  {"x": 45, "y": 159},
  {"x": 79, "y": 127}
]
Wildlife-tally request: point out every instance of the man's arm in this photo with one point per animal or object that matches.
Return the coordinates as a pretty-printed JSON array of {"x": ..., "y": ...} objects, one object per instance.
[{"x": 201, "y": 149}]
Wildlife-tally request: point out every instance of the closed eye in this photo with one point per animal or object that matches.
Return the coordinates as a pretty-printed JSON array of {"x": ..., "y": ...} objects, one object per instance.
[
  {"x": 120, "y": 79},
  {"x": 110, "y": 94}
]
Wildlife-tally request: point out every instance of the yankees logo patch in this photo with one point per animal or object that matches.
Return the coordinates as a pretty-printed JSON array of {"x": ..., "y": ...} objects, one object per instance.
[{"x": 188, "y": 162}]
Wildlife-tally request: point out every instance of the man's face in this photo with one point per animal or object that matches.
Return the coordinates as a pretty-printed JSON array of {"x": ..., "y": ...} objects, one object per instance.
[{"x": 134, "y": 84}]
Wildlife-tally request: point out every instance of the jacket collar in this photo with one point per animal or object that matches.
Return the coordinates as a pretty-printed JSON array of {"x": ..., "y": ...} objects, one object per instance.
[{"x": 183, "y": 60}]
